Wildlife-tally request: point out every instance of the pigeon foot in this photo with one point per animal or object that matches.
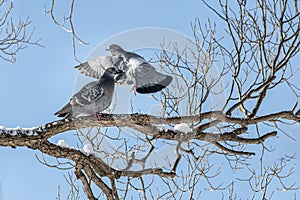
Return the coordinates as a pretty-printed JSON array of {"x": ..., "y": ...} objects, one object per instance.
[
  {"x": 133, "y": 89},
  {"x": 99, "y": 115}
]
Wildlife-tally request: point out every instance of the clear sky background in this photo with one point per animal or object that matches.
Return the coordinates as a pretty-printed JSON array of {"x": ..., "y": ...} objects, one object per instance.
[{"x": 42, "y": 79}]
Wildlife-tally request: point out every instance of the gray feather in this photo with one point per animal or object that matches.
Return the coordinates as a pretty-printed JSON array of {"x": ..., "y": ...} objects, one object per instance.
[{"x": 94, "y": 97}]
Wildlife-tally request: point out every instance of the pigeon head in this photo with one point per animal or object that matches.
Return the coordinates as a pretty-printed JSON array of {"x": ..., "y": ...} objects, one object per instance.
[
  {"x": 112, "y": 72},
  {"x": 115, "y": 49}
]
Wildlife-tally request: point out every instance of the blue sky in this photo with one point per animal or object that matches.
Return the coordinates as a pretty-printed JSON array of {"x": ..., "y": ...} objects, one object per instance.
[{"x": 42, "y": 79}]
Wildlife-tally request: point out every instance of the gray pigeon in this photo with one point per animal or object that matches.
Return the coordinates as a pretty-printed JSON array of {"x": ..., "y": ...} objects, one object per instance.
[
  {"x": 137, "y": 70},
  {"x": 92, "y": 98}
]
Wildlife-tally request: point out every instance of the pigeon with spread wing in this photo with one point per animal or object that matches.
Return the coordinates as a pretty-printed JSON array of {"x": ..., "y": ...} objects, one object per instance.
[{"x": 138, "y": 71}]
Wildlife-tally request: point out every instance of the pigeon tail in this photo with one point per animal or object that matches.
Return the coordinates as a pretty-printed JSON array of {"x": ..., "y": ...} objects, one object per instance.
[
  {"x": 65, "y": 111},
  {"x": 154, "y": 87}
]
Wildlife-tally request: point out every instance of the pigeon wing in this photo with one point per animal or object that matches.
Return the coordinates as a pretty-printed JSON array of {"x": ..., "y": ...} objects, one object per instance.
[
  {"x": 95, "y": 68},
  {"x": 90, "y": 93}
]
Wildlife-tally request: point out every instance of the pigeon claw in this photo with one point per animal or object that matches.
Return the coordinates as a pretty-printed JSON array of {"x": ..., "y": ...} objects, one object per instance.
[
  {"x": 133, "y": 89},
  {"x": 99, "y": 115}
]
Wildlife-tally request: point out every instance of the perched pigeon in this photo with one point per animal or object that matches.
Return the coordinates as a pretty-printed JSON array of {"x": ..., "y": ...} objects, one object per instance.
[
  {"x": 137, "y": 70},
  {"x": 93, "y": 97}
]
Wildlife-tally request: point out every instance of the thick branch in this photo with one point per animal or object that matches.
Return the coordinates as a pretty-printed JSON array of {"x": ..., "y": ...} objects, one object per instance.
[
  {"x": 37, "y": 138},
  {"x": 23, "y": 137}
]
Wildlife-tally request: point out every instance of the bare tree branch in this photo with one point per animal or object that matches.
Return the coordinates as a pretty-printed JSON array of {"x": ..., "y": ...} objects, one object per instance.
[
  {"x": 67, "y": 25},
  {"x": 13, "y": 36}
]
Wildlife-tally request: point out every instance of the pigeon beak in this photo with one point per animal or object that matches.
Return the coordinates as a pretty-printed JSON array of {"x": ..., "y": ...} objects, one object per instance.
[
  {"x": 120, "y": 71},
  {"x": 107, "y": 49},
  {"x": 118, "y": 75}
]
